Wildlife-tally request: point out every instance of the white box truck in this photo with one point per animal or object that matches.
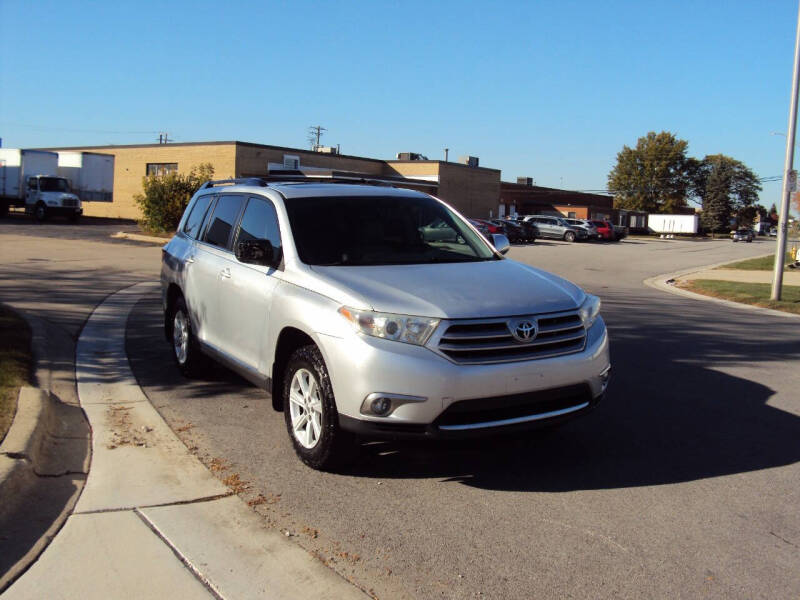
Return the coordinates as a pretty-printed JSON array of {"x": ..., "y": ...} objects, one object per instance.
[
  {"x": 30, "y": 178},
  {"x": 91, "y": 174},
  {"x": 673, "y": 223}
]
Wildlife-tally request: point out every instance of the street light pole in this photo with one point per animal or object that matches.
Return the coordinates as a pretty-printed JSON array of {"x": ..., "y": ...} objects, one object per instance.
[{"x": 780, "y": 252}]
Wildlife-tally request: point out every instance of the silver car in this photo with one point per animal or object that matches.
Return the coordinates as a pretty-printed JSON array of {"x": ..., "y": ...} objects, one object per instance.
[
  {"x": 557, "y": 228},
  {"x": 363, "y": 317}
]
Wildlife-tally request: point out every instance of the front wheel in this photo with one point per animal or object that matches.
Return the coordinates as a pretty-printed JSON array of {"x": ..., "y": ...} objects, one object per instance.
[
  {"x": 569, "y": 236},
  {"x": 309, "y": 409},
  {"x": 40, "y": 212}
]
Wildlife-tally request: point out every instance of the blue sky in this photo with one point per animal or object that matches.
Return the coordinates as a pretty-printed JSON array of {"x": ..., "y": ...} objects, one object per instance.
[{"x": 551, "y": 90}]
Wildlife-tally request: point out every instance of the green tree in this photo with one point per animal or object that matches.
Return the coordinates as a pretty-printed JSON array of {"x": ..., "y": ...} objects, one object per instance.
[
  {"x": 165, "y": 196},
  {"x": 655, "y": 176},
  {"x": 727, "y": 189}
]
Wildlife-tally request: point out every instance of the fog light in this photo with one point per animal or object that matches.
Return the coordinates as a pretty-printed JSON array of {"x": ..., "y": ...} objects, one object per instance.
[
  {"x": 381, "y": 406},
  {"x": 605, "y": 376}
]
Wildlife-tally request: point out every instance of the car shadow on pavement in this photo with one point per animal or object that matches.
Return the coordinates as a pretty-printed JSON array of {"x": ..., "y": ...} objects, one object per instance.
[{"x": 671, "y": 415}]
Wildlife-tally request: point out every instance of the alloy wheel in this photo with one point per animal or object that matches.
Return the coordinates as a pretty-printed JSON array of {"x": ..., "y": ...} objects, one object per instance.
[{"x": 305, "y": 408}]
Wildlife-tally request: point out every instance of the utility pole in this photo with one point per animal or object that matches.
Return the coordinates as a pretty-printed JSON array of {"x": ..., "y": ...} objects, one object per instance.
[
  {"x": 780, "y": 252},
  {"x": 163, "y": 137},
  {"x": 314, "y": 133},
  {"x": 446, "y": 154}
]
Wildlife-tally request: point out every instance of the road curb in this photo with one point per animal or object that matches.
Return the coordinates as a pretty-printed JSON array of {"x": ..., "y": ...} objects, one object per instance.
[{"x": 659, "y": 282}]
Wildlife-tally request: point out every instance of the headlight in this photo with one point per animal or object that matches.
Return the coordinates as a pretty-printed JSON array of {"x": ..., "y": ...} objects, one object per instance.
[
  {"x": 401, "y": 328},
  {"x": 589, "y": 310}
]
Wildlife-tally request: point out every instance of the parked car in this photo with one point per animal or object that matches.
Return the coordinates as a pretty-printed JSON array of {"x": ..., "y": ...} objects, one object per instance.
[
  {"x": 591, "y": 230},
  {"x": 514, "y": 232},
  {"x": 481, "y": 227},
  {"x": 334, "y": 298},
  {"x": 530, "y": 229},
  {"x": 605, "y": 230},
  {"x": 773, "y": 231},
  {"x": 743, "y": 235},
  {"x": 491, "y": 227},
  {"x": 556, "y": 228}
]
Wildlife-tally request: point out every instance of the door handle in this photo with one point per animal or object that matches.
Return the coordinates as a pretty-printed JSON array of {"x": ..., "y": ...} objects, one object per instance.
[{"x": 225, "y": 273}]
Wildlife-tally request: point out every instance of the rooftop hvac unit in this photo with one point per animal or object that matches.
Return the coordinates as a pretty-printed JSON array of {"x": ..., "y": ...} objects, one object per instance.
[
  {"x": 525, "y": 180},
  {"x": 470, "y": 161},
  {"x": 411, "y": 156},
  {"x": 328, "y": 149}
]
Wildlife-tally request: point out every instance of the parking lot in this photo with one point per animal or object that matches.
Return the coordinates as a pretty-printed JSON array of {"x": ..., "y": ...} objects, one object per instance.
[{"x": 684, "y": 482}]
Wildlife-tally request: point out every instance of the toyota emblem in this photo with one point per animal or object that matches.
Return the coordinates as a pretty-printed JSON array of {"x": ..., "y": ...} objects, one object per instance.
[{"x": 523, "y": 330}]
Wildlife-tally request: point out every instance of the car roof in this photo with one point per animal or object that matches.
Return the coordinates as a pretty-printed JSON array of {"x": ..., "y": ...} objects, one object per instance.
[{"x": 302, "y": 189}]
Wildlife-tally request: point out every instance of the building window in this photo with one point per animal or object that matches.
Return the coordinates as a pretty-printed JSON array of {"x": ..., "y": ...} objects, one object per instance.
[
  {"x": 572, "y": 214},
  {"x": 291, "y": 162},
  {"x": 160, "y": 169}
]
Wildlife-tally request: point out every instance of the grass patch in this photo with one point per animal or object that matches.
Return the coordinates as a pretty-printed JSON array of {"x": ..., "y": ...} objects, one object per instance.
[
  {"x": 16, "y": 362},
  {"x": 757, "y": 294},
  {"x": 765, "y": 263}
]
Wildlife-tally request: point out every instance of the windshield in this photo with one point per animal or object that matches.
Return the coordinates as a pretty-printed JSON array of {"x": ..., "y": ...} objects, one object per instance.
[
  {"x": 53, "y": 184},
  {"x": 363, "y": 230}
]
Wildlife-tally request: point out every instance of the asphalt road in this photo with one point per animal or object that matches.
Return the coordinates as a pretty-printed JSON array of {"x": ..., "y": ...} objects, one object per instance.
[{"x": 685, "y": 482}]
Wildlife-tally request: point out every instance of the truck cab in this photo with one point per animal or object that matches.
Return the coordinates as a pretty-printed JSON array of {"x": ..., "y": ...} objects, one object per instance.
[{"x": 47, "y": 196}]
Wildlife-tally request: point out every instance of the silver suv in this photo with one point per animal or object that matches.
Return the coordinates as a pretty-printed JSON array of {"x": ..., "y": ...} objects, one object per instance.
[
  {"x": 557, "y": 228},
  {"x": 371, "y": 311}
]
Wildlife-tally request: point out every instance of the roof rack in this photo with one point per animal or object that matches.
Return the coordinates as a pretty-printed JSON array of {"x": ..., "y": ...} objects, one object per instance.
[{"x": 327, "y": 176}]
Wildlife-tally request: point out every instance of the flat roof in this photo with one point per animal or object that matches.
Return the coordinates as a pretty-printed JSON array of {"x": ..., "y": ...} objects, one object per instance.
[{"x": 216, "y": 143}]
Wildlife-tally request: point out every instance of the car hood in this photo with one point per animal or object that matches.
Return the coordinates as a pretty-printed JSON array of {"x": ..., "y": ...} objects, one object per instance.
[{"x": 496, "y": 288}]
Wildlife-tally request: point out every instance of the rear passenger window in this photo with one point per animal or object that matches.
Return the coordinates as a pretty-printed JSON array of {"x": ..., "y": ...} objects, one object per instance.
[
  {"x": 195, "y": 219},
  {"x": 223, "y": 219},
  {"x": 260, "y": 222}
]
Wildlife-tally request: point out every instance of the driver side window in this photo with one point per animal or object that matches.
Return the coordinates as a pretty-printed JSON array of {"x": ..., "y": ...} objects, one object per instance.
[{"x": 260, "y": 222}]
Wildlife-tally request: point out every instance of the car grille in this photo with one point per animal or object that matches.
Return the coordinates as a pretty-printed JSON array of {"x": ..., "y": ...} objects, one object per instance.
[
  {"x": 490, "y": 340},
  {"x": 69, "y": 202}
]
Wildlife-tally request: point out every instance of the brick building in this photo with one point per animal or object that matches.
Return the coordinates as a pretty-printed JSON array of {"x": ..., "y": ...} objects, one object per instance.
[
  {"x": 525, "y": 198},
  {"x": 472, "y": 190}
]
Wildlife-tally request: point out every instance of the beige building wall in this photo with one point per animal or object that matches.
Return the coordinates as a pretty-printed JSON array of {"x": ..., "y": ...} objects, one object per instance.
[
  {"x": 473, "y": 191},
  {"x": 130, "y": 167}
]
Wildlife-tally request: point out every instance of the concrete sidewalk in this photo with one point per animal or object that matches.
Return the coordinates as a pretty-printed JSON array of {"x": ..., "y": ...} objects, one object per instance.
[
  {"x": 152, "y": 522},
  {"x": 789, "y": 277}
]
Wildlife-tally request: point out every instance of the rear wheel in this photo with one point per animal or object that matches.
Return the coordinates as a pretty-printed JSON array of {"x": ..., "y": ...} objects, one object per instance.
[
  {"x": 309, "y": 409},
  {"x": 569, "y": 236},
  {"x": 185, "y": 349}
]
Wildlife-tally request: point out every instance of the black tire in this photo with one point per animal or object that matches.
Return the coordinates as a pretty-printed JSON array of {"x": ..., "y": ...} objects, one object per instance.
[
  {"x": 190, "y": 361},
  {"x": 569, "y": 236},
  {"x": 3, "y": 210},
  {"x": 73, "y": 218},
  {"x": 333, "y": 447},
  {"x": 40, "y": 212}
]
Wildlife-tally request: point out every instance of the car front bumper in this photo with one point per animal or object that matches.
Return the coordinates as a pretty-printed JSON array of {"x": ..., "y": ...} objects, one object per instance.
[{"x": 458, "y": 400}]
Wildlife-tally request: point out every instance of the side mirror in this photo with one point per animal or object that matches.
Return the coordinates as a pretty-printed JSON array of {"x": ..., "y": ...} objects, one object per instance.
[
  {"x": 500, "y": 242},
  {"x": 255, "y": 252}
]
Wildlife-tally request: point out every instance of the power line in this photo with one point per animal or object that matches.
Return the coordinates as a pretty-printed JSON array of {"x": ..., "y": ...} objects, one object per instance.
[{"x": 314, "y": 133}]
